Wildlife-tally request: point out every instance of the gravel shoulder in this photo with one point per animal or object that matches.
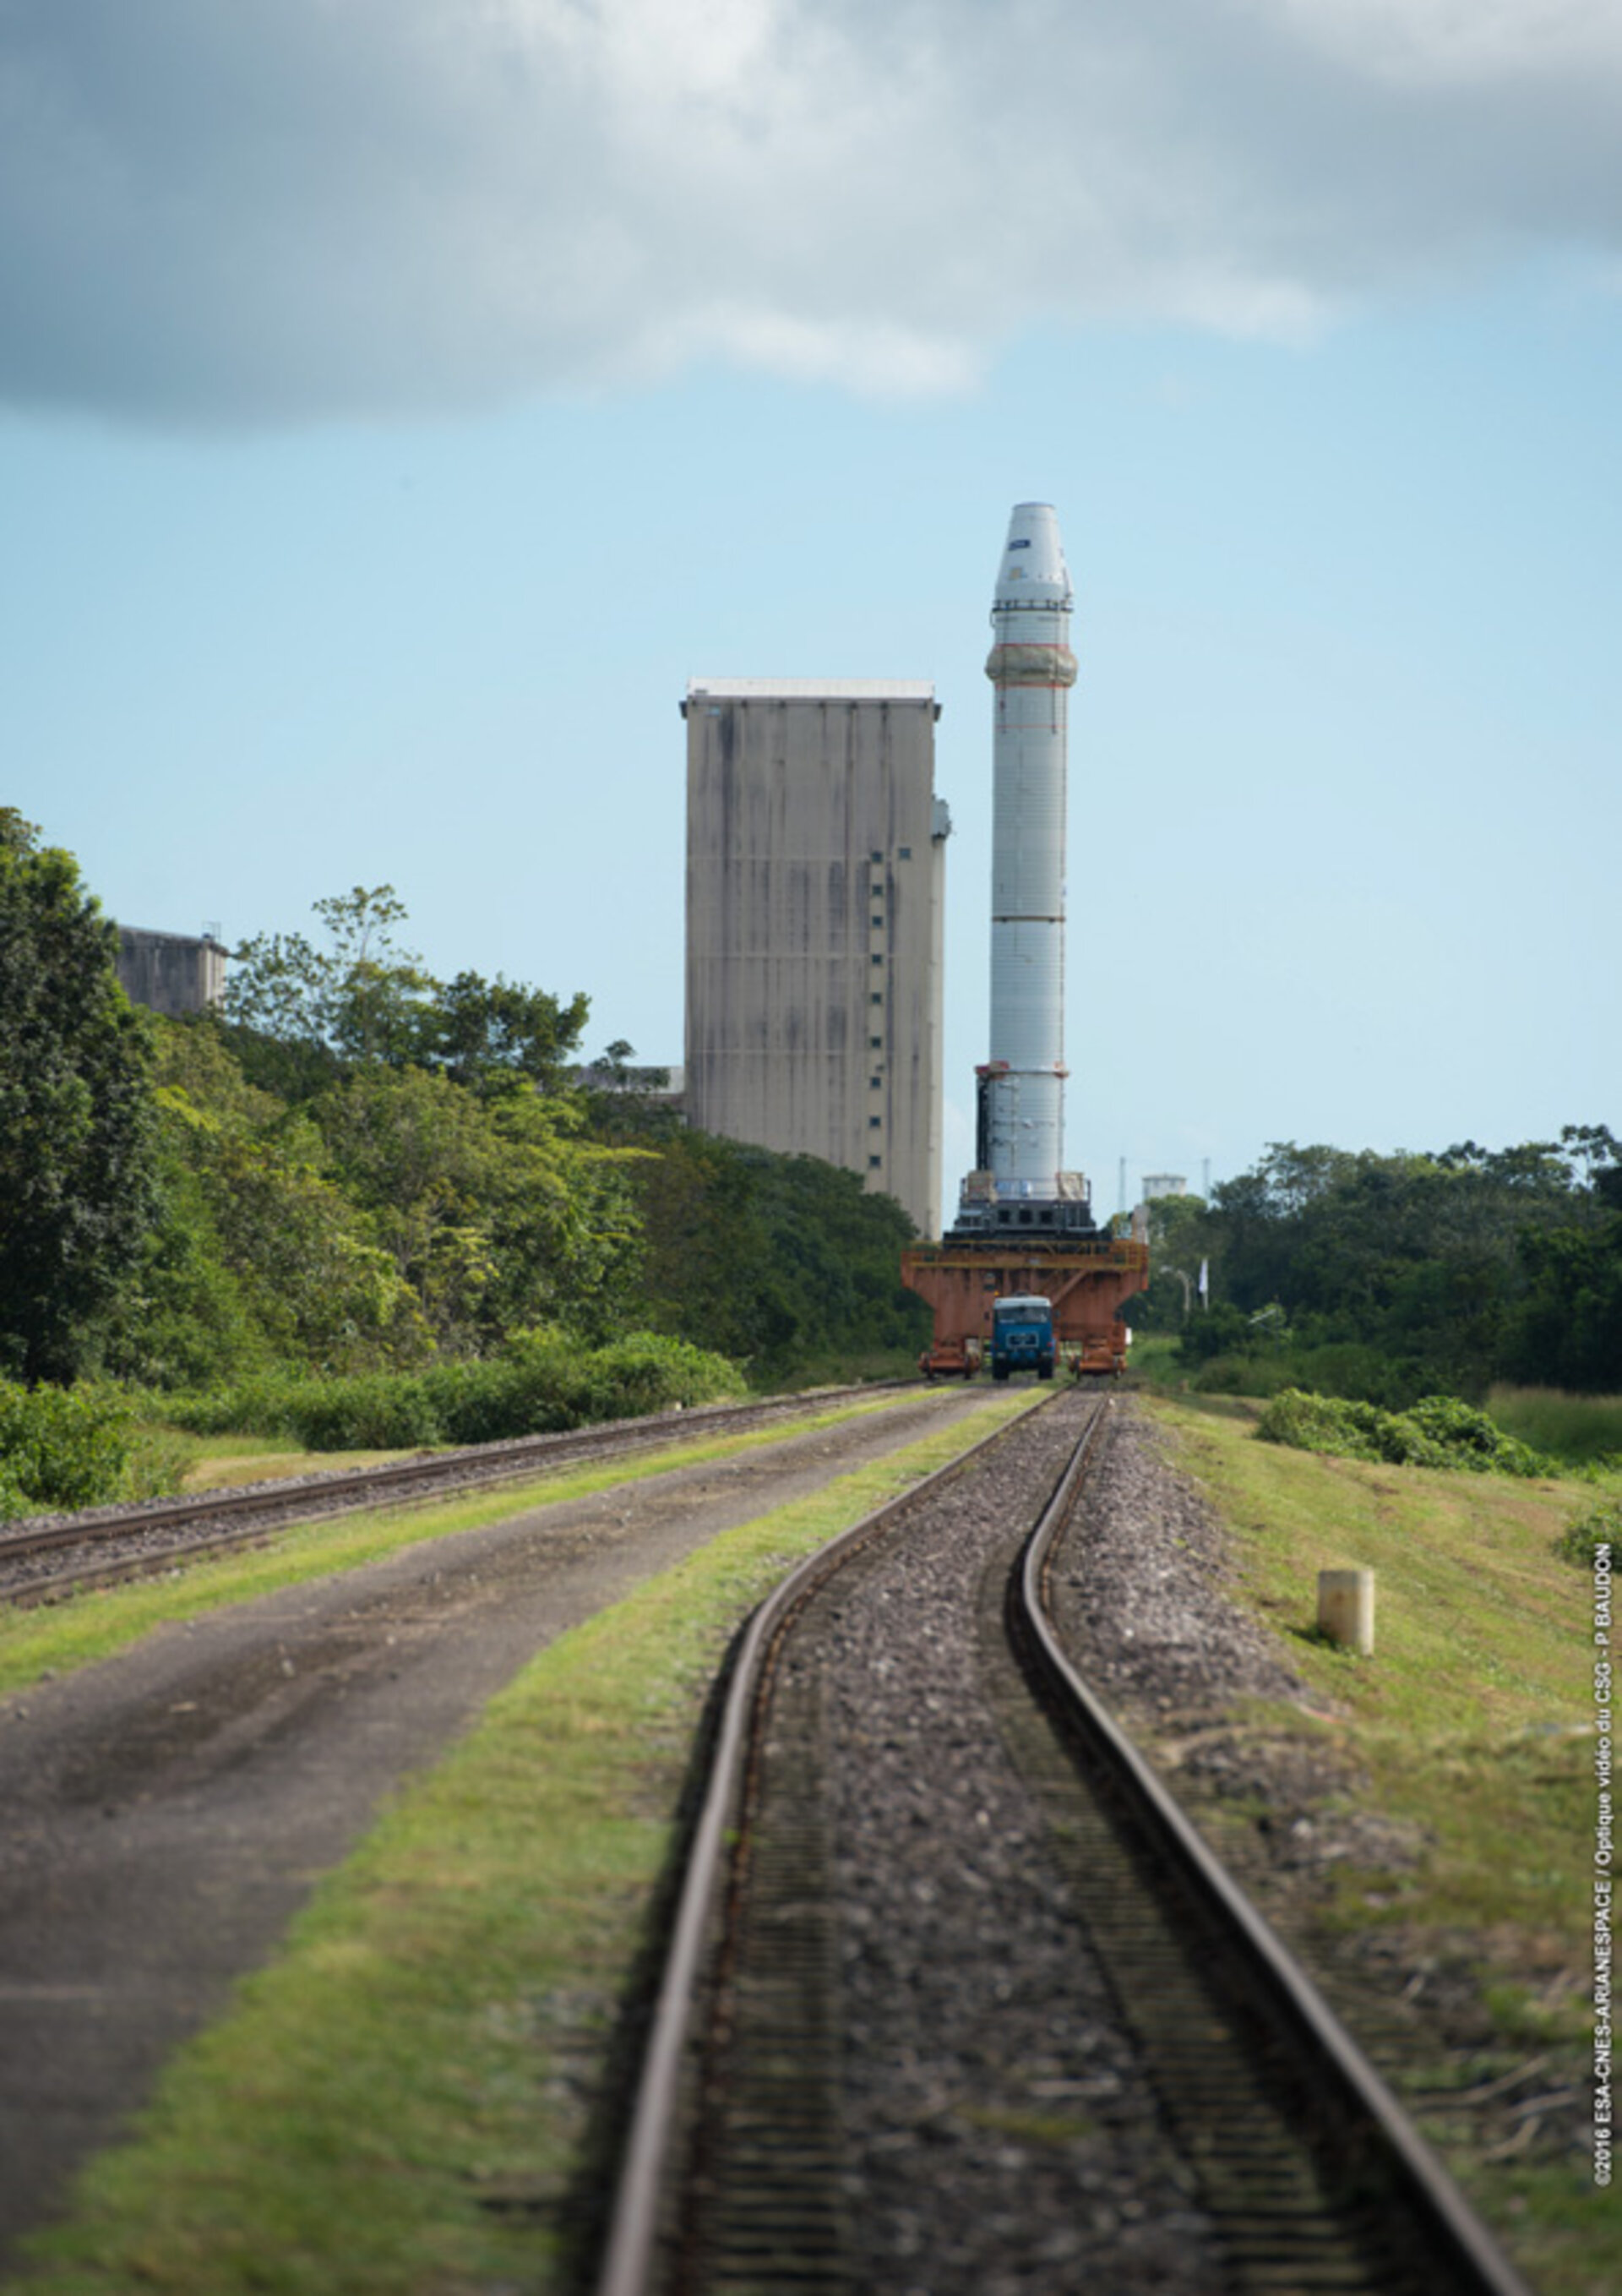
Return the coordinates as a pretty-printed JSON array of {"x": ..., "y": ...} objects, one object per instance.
[
  {"x": 1147, "y": 1605},
  {"x": 1146, "y": 1602},
  {"x": 167, "y": 1811}
]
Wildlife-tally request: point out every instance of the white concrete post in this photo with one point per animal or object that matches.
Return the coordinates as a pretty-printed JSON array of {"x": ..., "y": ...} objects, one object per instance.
[{"x": 1346, "y": 1608}]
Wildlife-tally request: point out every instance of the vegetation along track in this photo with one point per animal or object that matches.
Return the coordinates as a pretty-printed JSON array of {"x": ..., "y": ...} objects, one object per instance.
[
  {"x": 45, "y": 1557},
  {"x": 955, "y": 2001}
]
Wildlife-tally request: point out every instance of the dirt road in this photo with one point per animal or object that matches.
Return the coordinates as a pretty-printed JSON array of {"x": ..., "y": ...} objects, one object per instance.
[{"x": 164, "y": 1814}]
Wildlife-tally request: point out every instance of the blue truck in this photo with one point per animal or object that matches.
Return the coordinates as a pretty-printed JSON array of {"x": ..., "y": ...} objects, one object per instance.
[{"x": 1022, "y": 1335}]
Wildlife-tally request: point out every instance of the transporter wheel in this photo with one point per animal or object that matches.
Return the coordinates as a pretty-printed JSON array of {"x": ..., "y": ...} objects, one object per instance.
[
  {"x": 999, "y": 1371},
  {"x": 1045, "y": 1371}
]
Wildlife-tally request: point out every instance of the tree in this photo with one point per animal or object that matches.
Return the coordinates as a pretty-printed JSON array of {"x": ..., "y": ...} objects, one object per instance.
[
  {"x": 1182, "y": 1237},
  {"x": 493, "y": 1033},
  {"x": 779, "y": 1260},
  {"x": 488, "y": 1211},
  {"x": 77, "y": 1186},
  {"x": 307, "y": 1013},
  {"x": 1568, "y": 1330},
  {"x": 1455, "y": 1268}
]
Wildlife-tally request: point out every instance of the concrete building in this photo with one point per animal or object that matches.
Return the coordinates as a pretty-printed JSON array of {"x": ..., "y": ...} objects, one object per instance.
[
  {"x": 172, "y": 973},
  {"x": 815, "y": 883}
]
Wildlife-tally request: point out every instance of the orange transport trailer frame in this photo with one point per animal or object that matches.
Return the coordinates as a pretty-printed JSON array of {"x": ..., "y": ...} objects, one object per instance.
[{"x": 1087, "y": 1281}]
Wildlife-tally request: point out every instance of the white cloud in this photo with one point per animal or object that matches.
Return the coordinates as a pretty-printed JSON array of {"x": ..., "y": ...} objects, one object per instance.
[
  {"x": 1443, "y": 42},
  {"x": 290, "y": 207}
]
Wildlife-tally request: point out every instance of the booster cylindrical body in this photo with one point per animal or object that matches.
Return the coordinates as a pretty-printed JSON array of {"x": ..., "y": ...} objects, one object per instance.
[{"x": 1032, "y": 667}]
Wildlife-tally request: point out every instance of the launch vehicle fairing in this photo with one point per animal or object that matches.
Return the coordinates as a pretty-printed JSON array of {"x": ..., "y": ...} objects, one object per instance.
[{"x": 1020, "y": 1144}]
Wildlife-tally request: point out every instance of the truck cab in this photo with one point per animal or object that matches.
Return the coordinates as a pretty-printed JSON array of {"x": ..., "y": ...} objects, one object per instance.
[{"x": 1021, "y": 1335}]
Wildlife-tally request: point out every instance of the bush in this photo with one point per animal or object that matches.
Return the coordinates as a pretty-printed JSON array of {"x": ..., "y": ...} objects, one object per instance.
[
  {"x": 649, "y": 1373},
  {"x": 1586, "y": 1534},
  {"x": 1437, "y": 1432},
  {"x": 1325, "y": 1423},
  {"x": 1474, "y": 1440},
  {"x": 370, "y": 1411},
  {"x": 62, "y": 1447},
  {"x": 541, "y": 1383}
]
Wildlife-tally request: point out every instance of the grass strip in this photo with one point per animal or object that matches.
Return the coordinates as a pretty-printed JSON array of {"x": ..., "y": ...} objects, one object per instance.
[
  {"x": 36, "y": 1644},
  {"x": 398, "y": 2102},
  {"x": 218, "y": 1461},
  {"x": 1468, "y": 1731}
]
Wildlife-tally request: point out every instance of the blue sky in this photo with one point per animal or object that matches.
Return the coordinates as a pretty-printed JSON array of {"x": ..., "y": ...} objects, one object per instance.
[{"x": 398, "y": 405}]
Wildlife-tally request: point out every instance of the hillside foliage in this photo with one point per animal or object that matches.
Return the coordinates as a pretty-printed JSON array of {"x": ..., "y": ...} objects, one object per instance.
[{"x": 357, "y": 1173}]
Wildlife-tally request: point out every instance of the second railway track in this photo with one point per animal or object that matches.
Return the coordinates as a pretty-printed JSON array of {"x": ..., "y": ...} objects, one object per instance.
[
  {"x": 947, "y": 2008},
  {"x": 43, "y": 1558}
]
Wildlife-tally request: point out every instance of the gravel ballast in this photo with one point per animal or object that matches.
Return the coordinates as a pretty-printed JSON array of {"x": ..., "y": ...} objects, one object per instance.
[{"x": 1000, "y": 2133}]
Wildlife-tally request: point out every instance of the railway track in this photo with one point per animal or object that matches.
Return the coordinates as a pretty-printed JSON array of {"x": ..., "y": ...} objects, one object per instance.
[
  {"x": 44, "y": 1558},
  {"x": 954, "y": 1997}
]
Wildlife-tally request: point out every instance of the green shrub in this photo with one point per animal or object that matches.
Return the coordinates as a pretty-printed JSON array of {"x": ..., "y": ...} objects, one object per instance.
[
  {"x": 534, "y": 1387},
  {"x": 261, "y": 1405},
  {"x": 1325, "y": 1423},
  {"x": 62, "y": 1447},
  {"x": 650, "y": 1373},
  {"x": 1475, "y": 1440},
  {"x": 1438, "y": 1431},
  {"x": 542, "y": 1382},
  {"x": 1584, "y": 1534},
  {"x": 369, "y": 1411}
]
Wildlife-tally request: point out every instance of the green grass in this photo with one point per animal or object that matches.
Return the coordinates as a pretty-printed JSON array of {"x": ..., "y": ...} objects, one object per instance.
[
  {"x": 216, "y": 1461},
  {"x": 1467, "y": 1729},
  {"x": 1576, "y": 1428},
  {"x": 398, "y": 2103},
  {"x": 1152, "y": 1361},
  {"x": 1482, "y": 1650}
]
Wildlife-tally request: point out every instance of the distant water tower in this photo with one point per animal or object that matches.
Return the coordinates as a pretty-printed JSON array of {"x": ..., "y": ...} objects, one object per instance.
[{"x": 1164, "y": 1184}]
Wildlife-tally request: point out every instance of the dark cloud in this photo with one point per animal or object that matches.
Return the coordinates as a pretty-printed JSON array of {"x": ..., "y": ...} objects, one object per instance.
[{"x": 287, "y": 208}]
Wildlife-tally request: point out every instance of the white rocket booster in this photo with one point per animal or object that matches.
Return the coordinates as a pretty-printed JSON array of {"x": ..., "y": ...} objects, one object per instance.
[{"x": 1032, "y": 667}]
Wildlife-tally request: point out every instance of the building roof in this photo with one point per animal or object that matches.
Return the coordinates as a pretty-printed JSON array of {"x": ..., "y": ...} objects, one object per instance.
[{"x": 810, "y": 689}]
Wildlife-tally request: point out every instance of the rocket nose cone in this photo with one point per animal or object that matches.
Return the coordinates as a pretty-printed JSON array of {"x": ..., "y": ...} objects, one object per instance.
[{"x": 1033, "y": 573}]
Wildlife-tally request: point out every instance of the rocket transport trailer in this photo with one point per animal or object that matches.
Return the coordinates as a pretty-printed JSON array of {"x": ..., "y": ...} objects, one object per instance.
[{"x": 1022, "y": 1335}]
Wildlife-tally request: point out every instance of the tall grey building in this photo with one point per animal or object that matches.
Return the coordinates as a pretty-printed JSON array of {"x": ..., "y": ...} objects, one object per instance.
[
  {"x": 815, "y": 881},
  {"x": 173, "y": 972}
]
